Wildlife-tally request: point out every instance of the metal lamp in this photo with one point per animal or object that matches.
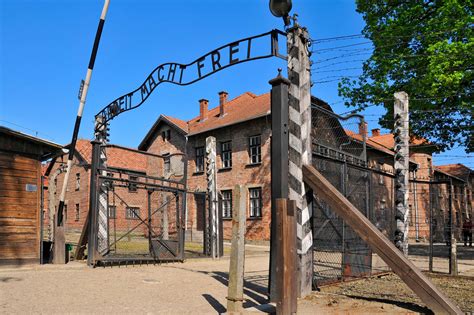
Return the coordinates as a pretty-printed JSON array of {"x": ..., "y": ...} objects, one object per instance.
[{"x": 281, "y": 8}]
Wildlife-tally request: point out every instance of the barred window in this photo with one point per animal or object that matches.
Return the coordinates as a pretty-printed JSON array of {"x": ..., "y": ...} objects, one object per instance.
[
  {"x": 255, "y": 150},
  {"x": 132, "y": 213},
  {"x": 227, "y": 204},
  {"x": 226, "y": 154},
  {"x": 200, "y": 159},
  {"x": 255, "y": 202},
  {"x": 112, "y": 212}
]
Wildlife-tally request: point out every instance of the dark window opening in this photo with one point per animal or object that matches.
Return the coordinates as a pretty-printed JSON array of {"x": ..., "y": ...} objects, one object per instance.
[
  {"x": 200, "y": 159},
  {"x": 226, "y": 154},
  {"x": 255, "y": 150}
]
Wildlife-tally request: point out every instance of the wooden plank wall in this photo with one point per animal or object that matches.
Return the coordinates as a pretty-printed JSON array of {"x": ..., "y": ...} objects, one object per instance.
[{"x": 19, "y": 209}]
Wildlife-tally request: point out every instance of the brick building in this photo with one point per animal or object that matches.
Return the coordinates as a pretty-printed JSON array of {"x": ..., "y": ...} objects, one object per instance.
[
  {"x": 124, "y": 202},
  {"x": 242, "y": 129}
]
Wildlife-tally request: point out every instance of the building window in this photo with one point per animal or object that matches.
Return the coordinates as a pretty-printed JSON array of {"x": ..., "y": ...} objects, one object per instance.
[
  {"x": 227, "y": 204},
  {"x": 255, "y": 202},
  {"x": 44, "y": 214},
  {"x": 77, "y": 212},
  {"x": 166, "y": 134},
  {"x": 255, "y": 150},
  {"x": 381, "y": 176},
  {"x": 65, "y": 212},
  {"x": 112, "y": 212},
  {"x": 110, "y": 183},
  {"x": 226, "y": 154},
  {"x": 166, "y": 164},
  {"x": 132, "y": 187},
  {"x": 200, "y": 159},
  {"x": 132, "y": 213},
  {"x": 78, "y": 181}
]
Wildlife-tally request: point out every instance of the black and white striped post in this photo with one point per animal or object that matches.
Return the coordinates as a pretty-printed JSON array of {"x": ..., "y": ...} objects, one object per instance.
[
  {"x": 299, "y": 149},
  {"x": 58, "y": 247}
]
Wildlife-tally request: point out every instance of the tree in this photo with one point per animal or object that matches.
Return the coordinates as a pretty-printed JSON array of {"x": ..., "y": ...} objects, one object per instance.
[{"x": 425, "y": 48}]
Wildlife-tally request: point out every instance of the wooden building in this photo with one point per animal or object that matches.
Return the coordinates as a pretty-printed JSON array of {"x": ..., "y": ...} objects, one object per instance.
[{"x": 20, "y": 194}]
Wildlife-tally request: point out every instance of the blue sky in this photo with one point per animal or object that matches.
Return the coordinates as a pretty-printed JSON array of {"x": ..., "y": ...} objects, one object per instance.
[{"x": 45, "y": 47}]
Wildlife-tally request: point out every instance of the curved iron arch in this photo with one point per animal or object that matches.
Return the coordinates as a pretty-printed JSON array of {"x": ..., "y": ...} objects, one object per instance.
[{"x": 125, "y": 102}]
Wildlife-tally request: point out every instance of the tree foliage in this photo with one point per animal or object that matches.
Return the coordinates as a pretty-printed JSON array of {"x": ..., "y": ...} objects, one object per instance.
[{"x": 425, "y": 48}]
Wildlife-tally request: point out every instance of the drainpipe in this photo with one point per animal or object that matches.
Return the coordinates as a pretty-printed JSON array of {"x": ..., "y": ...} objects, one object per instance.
[{"x": 417, "y": 228}]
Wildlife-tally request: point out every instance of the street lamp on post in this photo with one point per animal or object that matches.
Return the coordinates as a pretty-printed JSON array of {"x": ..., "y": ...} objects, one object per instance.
[
  {"x": 299, "y": 148},
  {"x": 281, "y": 8}
]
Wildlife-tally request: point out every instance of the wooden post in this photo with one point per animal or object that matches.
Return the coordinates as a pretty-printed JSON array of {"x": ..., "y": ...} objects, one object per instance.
[
  {"x": 393, "y": 257},
  {"x": 235, "y": 293},
  {"x": 279, "y": 168},
  {"x": 286, "y": 272},
  {"x": 59, "y": 255}
]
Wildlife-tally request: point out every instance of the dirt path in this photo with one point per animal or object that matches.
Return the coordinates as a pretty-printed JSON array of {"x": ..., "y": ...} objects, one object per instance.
[{"x": 197, "y": 286}]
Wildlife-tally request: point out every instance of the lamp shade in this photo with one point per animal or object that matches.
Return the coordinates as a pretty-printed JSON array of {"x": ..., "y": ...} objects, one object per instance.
[{"x": 280, "y": 8}]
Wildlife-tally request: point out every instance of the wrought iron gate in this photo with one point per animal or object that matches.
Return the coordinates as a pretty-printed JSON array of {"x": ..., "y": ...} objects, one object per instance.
[
  {"x": 145, "y": 218},
  {"x": 339, "y": 153}
]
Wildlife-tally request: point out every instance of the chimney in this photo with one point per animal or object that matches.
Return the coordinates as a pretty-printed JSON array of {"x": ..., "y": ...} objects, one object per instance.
[
  {"x": 203, "y": 103},
  {"x": 222, "y": 100},
  {"x": 363, "y": 128},
  {"x": 375, "y": 132}
]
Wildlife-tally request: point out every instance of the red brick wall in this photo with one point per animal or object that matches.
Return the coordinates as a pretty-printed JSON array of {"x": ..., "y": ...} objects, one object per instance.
[
  {"x": 74, "y": 196},
  {"x": 240, "y": 173}
]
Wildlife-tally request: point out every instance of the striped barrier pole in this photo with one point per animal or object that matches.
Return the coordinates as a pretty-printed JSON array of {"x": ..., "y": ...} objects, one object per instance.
[{"x": 82, "y": 102}]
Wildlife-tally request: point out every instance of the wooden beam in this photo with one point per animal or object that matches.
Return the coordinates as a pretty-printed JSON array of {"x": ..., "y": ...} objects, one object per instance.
[
  {"x": 235, "y": 295},
  {"x": 394, "y": 258},
  {"x": 286, "y": 271}
]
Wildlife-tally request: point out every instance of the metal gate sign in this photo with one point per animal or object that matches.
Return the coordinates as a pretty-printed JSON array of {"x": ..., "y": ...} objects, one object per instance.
[{"x": 184, "y": 74}]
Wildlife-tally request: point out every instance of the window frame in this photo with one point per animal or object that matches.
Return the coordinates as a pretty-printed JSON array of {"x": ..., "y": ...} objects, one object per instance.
[
  {"x": 166, "y": 164},
  {"x": 255, "y": 213},
  {"x": 226, "y": 154},
  {"x": 255, "y": 157},
  {"x": 134, "y": 216},
  {"x": 226, "y": 201},
  {"x": 199, "y": 159},
  {"x": 114, "y": 212},
  {"x": 78, "y": 181}
]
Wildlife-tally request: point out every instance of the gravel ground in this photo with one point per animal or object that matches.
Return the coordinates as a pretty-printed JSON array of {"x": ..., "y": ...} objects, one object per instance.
[
  {"x": 391, "y": 290},
  {"x": 198, "y": 286}
]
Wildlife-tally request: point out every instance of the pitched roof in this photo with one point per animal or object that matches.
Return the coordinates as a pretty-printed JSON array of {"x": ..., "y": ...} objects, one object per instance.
[
  {"x": 242, "y": 108},
  {"x": 370, "y": 143},
  {"x": 181, "y": 124},
  {"x": 387, "y": 140},
  {"x": 458, "y": 170},
  {"x": 117, "y": 156}
]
